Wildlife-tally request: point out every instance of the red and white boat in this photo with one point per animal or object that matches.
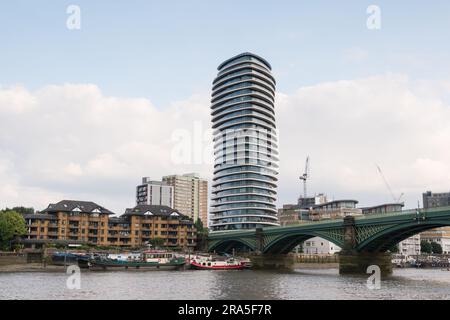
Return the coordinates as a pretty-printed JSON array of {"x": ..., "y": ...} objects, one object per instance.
[{"x": 215, "y": 263}]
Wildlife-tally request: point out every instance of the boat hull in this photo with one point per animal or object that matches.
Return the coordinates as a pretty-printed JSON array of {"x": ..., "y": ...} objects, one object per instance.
[
  {"x": 198, "y": 266},
  {"x": 119, "y": 265}
]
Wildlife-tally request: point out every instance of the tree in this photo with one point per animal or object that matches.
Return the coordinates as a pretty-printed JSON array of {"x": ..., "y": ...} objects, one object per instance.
[
  {"x": 425, "y": 247},
  {"x": 12, "y": 226},
  {"x": 157, "y": 242},
  {"x": 201, "y": 230},
  {"x": 21, "y": 210},
  {"x": 436, "y": 248}
]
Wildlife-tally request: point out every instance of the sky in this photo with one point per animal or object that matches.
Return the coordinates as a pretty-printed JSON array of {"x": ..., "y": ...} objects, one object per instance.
[{"x": 87, "y": 112}]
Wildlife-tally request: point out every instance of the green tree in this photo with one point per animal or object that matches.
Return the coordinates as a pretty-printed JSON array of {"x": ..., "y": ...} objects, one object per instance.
[
  {"x": 22, "y": 210},
  {"x": 12, "y": 226},
  {"x": 157, "y": 242},
  {"x": 201, "y": 230},
  {"x": 436, "y": 248},
  {"x": 425, "y": 247}
]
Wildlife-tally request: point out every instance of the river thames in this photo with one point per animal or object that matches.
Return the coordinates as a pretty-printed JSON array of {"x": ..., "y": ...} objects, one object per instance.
[{"x": 234, "y": 285}]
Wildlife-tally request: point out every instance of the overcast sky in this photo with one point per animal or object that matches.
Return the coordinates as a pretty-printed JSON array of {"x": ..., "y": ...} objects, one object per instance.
[{"x": 86, "y": 113}]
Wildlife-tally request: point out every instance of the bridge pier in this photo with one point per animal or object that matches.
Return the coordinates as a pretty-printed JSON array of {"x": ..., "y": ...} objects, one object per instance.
[
  {"x": 358, "y": 262},
  {"x": 353, "y": 262},
  {"x": 272, "y": 261}
]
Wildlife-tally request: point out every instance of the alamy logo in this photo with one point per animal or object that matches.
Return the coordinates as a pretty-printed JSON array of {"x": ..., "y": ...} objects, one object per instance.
[
  {"x": 74, "y": 280},
  {"x": 374, "y": 281},
  {"x": 73, "y": 22},
  {"x": 374, "y": 20}
]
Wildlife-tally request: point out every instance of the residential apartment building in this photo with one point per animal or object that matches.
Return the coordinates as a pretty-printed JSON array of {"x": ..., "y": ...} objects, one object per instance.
[
  {"x": 410, "y": 246},
  {"x": 440, "y": 235},
  {"x": 82, "y": 222},
  {"x": 157, "y": 193},
  {"x": 319, "y": 246},
  {"x": 433, "y": 200},
  {"x": 244, "y": 186},
  {"x": 190, "y": 195}
]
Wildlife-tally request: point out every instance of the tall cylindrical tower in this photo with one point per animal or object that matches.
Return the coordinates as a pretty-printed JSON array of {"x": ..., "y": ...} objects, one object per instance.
[{"x": 245, "y": 145}]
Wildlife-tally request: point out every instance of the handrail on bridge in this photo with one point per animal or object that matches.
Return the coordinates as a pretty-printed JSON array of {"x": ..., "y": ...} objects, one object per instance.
[{"x": 325, "y": 221}]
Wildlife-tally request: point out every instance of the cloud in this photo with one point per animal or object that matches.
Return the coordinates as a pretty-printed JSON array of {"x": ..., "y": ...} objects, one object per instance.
[
  {"x": 76, "y": 143},
  {"x": 355, "y": 54},
  {"x": 347, "y": 127},
  {"x": 73, "y": 142}
]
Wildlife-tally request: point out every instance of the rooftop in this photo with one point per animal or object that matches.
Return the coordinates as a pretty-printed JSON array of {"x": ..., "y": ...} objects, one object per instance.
[
  {"x": 75, "y": 205},
  {"x": 243, "y": 55}
]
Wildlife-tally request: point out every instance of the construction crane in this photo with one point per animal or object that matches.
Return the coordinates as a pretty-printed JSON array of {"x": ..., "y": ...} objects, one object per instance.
[
  {"x": 305, "y": 177},
  {"x": 396, "y": 200}
]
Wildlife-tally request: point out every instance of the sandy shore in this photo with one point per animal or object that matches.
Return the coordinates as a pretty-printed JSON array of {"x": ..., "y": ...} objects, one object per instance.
[{"x": 31, "y": 267}]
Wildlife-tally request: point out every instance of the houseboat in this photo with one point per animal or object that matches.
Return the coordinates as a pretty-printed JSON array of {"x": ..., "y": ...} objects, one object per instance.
[
  {"x": 67, "y": 258},
  {"x": 216, "y": 263},
  {"x": 154, "y": 260}
]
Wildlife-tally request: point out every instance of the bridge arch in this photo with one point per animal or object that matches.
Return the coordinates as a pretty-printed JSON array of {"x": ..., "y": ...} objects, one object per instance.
[
  {"x": 287, "y": 242},
  {"x": 227, "y": 245},
  {"x": 386, "y": 239}
]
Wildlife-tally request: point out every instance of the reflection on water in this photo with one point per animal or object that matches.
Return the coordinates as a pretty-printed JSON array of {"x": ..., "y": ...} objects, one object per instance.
[{"x": 246, "y": 284}]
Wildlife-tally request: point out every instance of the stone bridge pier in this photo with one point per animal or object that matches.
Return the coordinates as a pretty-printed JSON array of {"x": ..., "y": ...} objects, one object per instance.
[
  {"x": 269, "y": 261},
  {"x": 352, "y": 261}
]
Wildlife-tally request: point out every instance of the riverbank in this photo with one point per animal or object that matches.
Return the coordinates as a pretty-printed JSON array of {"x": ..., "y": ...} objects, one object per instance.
[{"x": 30, "y": 267}]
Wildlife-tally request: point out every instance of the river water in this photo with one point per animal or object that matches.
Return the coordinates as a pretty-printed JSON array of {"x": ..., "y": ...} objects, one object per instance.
[{"x": 233, "y": 284}]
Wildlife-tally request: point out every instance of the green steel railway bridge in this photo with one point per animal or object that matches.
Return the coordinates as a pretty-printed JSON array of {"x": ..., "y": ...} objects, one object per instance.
[{"x": 365, "y": 240}]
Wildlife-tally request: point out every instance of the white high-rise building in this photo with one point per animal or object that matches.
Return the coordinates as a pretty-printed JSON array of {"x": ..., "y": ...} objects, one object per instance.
[
  {"x": 245, "y": 145},
  {"x": 154, "y": 193}
]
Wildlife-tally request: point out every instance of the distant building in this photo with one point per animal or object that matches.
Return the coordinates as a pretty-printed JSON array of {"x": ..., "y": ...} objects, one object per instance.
[
  {"x": 309, "y": 202},
  {"x": 157, "y": 193},
  {"x": 440, "y": 235},
  {"x": 292, "y": 214},
  {"x": 190, "y": 195},
  {"x": 334, "y": 209},
  {"x": 383, "y": 208},
  {"x": 296, "y": 213},
  {"x": 315, "y": 209},
  {"x": 410, "y": 246},
  {"x": 320, "y": 246},
  {"x": 84, "y": 222},
  {"x": 433, "y": 200}
]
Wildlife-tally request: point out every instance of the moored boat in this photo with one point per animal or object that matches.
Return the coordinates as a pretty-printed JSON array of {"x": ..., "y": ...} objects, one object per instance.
[
  {"x": 66, "y": 258},
  {"x": 216, "y": 263},
  {"x": 156, "y": 260}
]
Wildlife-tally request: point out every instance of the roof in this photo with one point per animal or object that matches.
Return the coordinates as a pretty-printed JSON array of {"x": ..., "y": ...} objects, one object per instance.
[
  {"x": 75, "y": 205},
  {"x": 243, "y": 55},
  {"x": 384, "y": 205},
  {"x": 143, "y": 209},
  {"x": 40, "y": 216},
  {"x": 334, "y": 201}
]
